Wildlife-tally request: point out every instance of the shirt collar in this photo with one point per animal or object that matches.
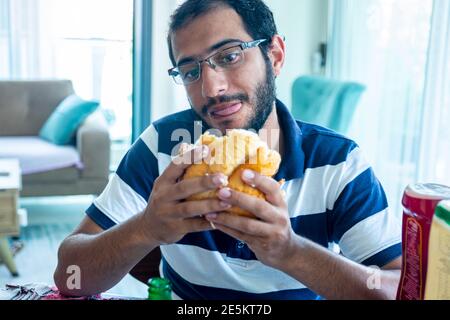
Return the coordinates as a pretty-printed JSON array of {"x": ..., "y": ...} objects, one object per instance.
[{"x": 293, "y": 159}]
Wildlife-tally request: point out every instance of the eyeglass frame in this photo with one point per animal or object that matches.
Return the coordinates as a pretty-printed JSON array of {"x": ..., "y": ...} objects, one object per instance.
[{"x": 243, "y": 45}]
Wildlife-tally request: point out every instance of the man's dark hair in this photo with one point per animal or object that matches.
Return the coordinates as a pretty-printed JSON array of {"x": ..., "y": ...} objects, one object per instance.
[{"x": 257, "y": 18}]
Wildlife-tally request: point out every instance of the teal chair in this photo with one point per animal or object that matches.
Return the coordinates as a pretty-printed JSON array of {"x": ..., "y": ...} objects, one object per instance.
[{"x": 325, "y": 102}]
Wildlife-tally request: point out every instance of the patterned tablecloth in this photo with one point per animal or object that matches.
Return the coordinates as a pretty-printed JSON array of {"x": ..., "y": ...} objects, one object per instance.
[{"x": 38, "y": 291}]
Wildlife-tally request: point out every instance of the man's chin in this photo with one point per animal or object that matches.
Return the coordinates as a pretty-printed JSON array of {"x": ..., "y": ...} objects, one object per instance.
[{"x": 229, "y": 125}]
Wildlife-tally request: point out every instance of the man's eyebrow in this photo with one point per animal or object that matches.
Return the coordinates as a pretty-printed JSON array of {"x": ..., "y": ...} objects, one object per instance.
[{"x": 209, "y": 50}]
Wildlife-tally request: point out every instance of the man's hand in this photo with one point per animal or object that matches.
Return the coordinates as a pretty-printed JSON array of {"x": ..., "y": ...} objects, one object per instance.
[
  {"x": 275, "y": 244},
  {"x": 168, "y": 217},
  {"x": 271, "y": 237}
]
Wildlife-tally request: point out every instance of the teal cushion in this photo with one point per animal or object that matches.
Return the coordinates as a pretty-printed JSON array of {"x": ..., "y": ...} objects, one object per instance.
[
  {"x": 63, "y": 123},
  {"x": 326, "y": 102}
]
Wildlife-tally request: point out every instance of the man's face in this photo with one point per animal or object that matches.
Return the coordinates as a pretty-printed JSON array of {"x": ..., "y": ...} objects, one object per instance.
[{"x": 238, "y": 98}]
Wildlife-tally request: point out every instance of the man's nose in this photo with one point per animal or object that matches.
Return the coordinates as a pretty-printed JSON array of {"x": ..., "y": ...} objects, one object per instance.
[{"x": 214, "y": 83}]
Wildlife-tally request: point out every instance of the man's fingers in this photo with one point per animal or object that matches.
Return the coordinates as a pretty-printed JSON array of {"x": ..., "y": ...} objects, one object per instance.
[
  {"x": 186, "y": 188},
  {"x": 247, "y": 226},
  {"x": 198, "y": 225},
  {"x": 190, "y": 209},
  {"x": 177, "y": 167},
  {"x": 259, "y": 207},
  {"x": 233, "y": 233},
  {"x": 268, "y": 186}
]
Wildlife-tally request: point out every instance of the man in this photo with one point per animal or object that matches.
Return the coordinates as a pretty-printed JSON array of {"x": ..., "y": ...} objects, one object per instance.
[{"x": 227, "y": 54}]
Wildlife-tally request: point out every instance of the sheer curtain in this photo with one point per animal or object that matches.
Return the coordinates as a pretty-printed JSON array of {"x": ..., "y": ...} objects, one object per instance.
[
  {"x": 25, "y": 39},
  {"x": 434, "y": 161},
  {"x": 400, "y": 50}
]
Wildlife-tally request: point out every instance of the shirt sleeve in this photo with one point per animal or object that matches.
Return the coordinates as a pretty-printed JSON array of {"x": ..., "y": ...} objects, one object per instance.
[
  {"x": 129, "y": 189},
  {"x": 363, "y": 226}
]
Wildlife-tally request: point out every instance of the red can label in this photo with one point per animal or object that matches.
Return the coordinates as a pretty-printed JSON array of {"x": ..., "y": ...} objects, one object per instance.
[{"x": 412, "y": 287}]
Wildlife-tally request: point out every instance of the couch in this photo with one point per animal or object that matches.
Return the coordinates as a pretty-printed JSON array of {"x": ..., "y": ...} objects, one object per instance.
[{"x": 80, "y": 168}]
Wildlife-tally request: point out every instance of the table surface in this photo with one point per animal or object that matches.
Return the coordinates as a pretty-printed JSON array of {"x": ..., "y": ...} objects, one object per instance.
[{"x": 10, "y": 175}]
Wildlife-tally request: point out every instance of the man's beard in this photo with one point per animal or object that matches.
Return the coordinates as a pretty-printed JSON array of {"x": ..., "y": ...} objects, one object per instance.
[
  {"x": 265, "y": 95},
  {"x": 265, "y": 98}
]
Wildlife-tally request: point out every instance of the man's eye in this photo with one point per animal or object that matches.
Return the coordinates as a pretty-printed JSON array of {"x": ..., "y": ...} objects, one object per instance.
[
  {"x": 190, "y": 74},
  {"x": 229, "y": 58}
]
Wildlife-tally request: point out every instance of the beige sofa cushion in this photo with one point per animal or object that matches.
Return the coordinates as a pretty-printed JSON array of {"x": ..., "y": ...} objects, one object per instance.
[
  {"x": 61, "y": 175},
  {"x": 28, "y": 104}
]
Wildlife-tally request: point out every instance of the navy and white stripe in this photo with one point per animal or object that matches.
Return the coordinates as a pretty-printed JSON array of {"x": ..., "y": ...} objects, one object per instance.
[{"x": 333, "y": 198}]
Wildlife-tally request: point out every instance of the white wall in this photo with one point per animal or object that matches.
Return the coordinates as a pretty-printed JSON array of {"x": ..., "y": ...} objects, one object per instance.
[{"x": 304, "y": 24}]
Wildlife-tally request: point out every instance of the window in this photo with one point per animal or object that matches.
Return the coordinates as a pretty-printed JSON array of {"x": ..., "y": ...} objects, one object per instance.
[
  {"x": 88, "y": 42},
  {"x": 97, "y": 55},
  {"x": 399, "y": 50}
]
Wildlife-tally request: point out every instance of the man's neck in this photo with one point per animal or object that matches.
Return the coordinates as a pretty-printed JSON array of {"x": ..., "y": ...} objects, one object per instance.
[{"x": 272, "y": 133}]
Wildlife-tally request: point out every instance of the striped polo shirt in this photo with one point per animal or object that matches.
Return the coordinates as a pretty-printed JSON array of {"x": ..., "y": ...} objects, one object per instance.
[{"x": 333, "y": 196}]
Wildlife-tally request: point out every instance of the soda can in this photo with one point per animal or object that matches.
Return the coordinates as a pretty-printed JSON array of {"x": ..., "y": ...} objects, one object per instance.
[{"x": 419, "y": 205}]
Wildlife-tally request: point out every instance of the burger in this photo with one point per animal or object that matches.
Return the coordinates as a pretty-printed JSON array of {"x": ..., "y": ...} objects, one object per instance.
[{"x": 231, "y": 155}]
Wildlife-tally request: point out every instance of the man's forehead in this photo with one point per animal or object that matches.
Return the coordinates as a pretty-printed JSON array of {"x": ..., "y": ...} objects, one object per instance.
[{"x": 206, "y": 31}]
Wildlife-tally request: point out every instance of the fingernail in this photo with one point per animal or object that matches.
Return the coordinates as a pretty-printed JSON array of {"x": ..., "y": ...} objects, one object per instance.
[
  {"x": 211, "y": 216},
  {"x": 248, "y": 175},
  {"x": 220, "y": 180},
  {"x": 225, "y": 205},
  {"x": 225, "y": 193}
]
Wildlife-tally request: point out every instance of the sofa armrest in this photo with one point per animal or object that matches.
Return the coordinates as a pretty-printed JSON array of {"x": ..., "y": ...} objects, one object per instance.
[{"x": 93, "y": 144}]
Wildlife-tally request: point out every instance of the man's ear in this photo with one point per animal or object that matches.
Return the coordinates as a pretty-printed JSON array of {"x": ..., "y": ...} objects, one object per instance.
[{"x": 277, "y": 54}]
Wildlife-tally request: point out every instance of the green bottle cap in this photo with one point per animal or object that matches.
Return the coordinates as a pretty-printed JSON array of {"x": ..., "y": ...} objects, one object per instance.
[
  {"x": 159, "y": 289},
  {"x": 443, "y": 211}
]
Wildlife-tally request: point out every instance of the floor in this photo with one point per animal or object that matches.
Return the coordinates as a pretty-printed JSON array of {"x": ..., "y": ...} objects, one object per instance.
[{"x": 50, "y": 220}]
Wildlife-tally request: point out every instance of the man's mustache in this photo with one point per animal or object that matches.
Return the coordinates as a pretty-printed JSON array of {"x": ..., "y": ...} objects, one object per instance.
[{"x": 224, "y": 99}]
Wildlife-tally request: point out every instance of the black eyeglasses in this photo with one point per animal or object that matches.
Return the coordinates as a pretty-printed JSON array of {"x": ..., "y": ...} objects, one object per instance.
[{"x": 225, "y": 59}]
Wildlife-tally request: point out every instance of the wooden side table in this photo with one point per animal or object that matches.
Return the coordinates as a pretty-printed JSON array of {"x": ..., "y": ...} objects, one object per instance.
[{"x": 10, "y": 185}]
